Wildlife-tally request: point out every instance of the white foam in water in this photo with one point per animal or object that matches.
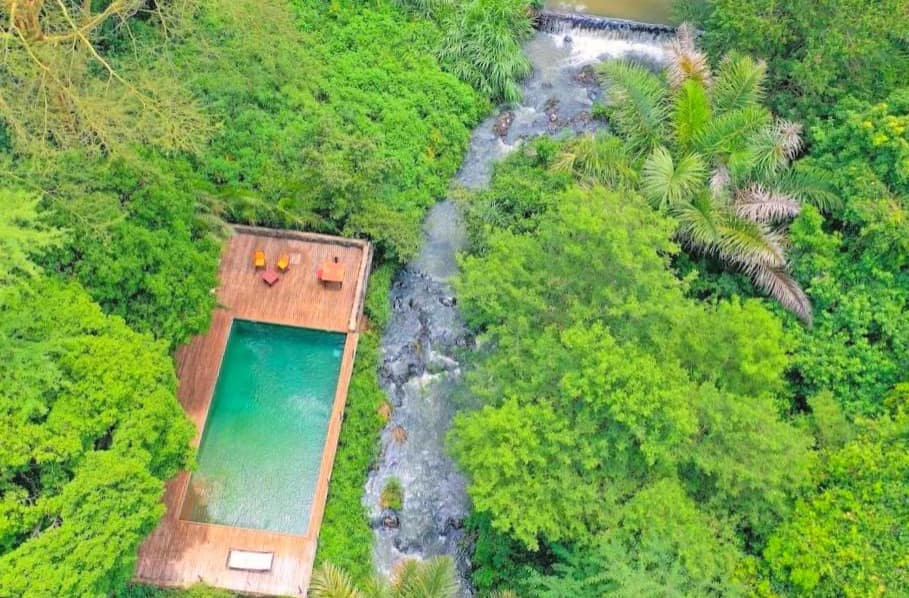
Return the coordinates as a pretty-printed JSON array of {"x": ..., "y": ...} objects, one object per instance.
[{"x": 587, "y": 48}]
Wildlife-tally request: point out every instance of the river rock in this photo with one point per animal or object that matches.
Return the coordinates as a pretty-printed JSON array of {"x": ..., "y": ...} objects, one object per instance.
[
  {"x": 390, "y": 519},
  {"x": 503, "y": 123}
]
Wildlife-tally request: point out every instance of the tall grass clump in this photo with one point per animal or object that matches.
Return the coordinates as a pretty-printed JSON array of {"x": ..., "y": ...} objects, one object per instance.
[
  {"x": 483, "y": 46},
  {"x": 428, "y": 8}
]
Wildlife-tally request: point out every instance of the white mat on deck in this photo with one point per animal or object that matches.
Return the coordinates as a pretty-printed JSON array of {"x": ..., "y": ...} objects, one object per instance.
[{"x": 248, "y": 560}]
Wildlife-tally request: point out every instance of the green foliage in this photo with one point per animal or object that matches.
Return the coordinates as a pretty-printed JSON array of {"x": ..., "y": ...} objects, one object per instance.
[
  {"x": 392, "y": 495},
  {"x": 610, "y": 380},
  {"x": 499, "y": 561},
  {"x": 856, "y": 262},
  {"x": 196, "y": 591},
  {"x": 659, "y": 545},
  {"x": 64, "y": 88},
  {"x": 600, "y": 158},
  {"x": 850, "y": 537},
  {"x": 483, "y": 46},
  {"x": 339, "y": 124},
  {"x": 138, "y": 241},
  {"x": 91, "y": 430},
  {"x": 818, "y": 51},
  {"x": 345, "y": 537},
  {"x": 713, "y": 158},
  {"x": 428, "y": 8},
  {"x": 378, "y": 300},
  {"x": 22, "y": 235},
  {"x": 522, "y": 189},
  {"x": 433, "y": 578}
]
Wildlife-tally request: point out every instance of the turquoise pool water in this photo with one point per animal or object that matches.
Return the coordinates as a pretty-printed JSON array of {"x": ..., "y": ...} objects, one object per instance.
[{"x": 262, "y": 445}]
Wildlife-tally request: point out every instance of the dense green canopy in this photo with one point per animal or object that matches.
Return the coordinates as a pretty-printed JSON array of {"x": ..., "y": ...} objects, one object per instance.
[
  {"x": 636, "y": 420},
  {"x": 91, "y": 430},
  {"x": 604, "y": 387}
]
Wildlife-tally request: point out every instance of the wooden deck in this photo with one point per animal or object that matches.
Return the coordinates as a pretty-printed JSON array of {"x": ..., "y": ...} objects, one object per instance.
[{"x": 181, "y": 553}]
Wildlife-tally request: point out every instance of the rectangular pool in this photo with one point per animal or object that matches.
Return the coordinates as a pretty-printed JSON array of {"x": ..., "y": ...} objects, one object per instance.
[{"x": 259, "y": 460}]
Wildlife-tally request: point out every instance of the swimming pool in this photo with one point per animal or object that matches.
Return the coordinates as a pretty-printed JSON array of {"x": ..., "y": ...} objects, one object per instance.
[{"x": 259, "y": 459}]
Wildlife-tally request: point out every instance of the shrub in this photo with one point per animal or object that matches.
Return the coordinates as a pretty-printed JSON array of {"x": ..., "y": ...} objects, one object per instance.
[
  {"x": 483, "y": 47},
  {"x": 392, "y": 495}
]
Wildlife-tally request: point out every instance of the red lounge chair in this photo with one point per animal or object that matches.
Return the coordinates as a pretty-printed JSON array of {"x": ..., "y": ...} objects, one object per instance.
[{"x": 270, "y": 277}]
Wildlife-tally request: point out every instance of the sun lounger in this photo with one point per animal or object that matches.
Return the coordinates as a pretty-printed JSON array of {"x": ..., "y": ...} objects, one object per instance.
[
  {"x": 248, "y": 560},
  {"x": 259, "y": 259},
  {"x": 283, "y": 263}
]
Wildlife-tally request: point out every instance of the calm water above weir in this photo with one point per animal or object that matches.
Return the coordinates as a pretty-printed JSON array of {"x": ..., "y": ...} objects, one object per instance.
[
  {"x": 425, "y": 337},
  {"x": 647, "y": 11}
]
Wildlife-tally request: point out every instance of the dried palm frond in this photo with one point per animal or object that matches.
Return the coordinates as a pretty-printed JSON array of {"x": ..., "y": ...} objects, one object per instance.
[
  {"x": 765, "y": 205},
  {"x": 684, "y": 60},
  {"x": 789, "y": 135},
  {"x": 685, "y": 35},
  {"x": 780, "y": 285},
  {"x": 750, "y": 245},
  {"x": 711, "y": 229},
  {"x": 720, "y": 180}
]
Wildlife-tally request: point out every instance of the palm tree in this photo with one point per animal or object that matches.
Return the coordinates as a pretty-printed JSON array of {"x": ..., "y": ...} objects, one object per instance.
[
  {"x": 433, "y": 578},
  {"x": 711, "y": 155}
]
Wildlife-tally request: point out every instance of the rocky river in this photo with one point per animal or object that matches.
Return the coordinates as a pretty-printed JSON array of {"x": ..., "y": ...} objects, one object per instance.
[{"x": 425, "y": 337}]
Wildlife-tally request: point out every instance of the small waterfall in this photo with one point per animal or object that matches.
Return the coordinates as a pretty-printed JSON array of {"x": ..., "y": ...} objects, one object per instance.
[
  {"x": 425, "y": 336},
  {"x": 554, "y": 21}
]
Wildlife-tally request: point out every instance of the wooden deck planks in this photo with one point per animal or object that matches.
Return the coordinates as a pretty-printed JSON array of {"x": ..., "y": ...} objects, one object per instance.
[{"x": 180, "y": 553}]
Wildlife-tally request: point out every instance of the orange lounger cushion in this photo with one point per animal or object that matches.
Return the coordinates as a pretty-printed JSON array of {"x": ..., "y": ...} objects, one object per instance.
[
  {"x": 259, "y": 259},
  {"x": 283, "y": 263}
]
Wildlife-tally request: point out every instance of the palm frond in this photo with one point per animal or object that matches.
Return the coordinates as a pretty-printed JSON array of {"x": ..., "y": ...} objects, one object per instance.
[
  {"x": 684, "y": 62},
  {"x": 599, "y": 158},
  {"x": 789, "y": 137},
  {"x": 639, "y": 103},
  {"x": 727, "y": 133},
  {"x": 697, "y": 227},
  {"x": 739, "y": 84},
  {"x": 691, "y": 111},
  {"x": 685, "y": 35},
  {"x": 778, "y": 283},
  {"x": 809, "y": 185},
  {"x": 434, "y": 578},
  {"x": 764, "y": 156},
  {"x": 720, "y": 180},
  {"x": 712, "y": 230},
  {"x": 666, "y": 182},
  {"x": 771, "y": 149},
  {"x": 758, "y": 204},
  {"x": 750, "y": 245},
  {"x": 329, "y": 581}
]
